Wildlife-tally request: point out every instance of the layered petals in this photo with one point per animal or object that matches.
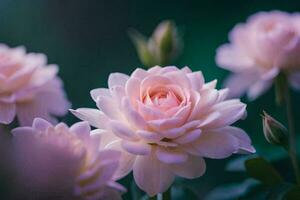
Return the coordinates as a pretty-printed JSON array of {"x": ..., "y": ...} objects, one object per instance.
[
  {"x": 165, "y": 121},
  {"x": 29, "y": 87},
  {"x": 67, "y": 160},
  {"x": 258, "y": 50}
]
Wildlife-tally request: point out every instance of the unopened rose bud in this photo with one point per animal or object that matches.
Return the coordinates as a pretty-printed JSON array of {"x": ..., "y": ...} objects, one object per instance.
[
  {"x": 167, "y": 41},
  {"x": 274, "y": 131},
  {"x": 161, "y": 48}
]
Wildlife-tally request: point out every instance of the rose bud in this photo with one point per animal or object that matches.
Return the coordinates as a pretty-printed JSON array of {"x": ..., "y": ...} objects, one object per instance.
[{"x": 274, "y": 131}]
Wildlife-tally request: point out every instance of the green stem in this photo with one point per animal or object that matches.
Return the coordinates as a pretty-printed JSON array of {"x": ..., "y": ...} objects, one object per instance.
[
  {"x": 167, "y": 195},
  {"x": 153, "y": 198},
  {"x": 285, "y": 94},
  {"x": 292, "y": 138}
]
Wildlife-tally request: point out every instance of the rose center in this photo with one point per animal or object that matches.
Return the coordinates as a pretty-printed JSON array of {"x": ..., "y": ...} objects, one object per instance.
[{"x": 162, "y": 98}]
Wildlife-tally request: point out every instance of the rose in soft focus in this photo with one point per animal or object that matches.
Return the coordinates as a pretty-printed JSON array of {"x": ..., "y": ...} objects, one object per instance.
[
  {"x": 58, "y": 162},
  {"x": 29, "y": 87},
  {"x": 165, "y": 120},
  {"x": 269, "y": 42}
]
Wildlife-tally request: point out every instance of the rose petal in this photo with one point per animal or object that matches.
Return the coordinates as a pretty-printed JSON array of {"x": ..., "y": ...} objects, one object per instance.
[
  {"x": 151, "y": 175},
  {"x": 41, "y": 124},
  {"x": 7, "y": 113},
  {"x": 117, "y": 79},
  {"x": 137, "y": 147},
  {"x": 188, "y": 137},
  {"x": 123, "y": 131},
  {"x": 95, "y": 117},
  {"x": 171, "y": 155},
  {"x": 194, "y": 167},
  {"x": 196, "y": 80},
  {"x": 214, "y": 144}
]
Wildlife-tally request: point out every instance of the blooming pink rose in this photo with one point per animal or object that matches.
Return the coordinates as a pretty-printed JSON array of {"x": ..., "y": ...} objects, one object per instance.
[
  {"x": 165, "y": 120},
  {"x": 66, "y": 162},
  {"x": 269, "y": 42},
  {"x": 29, "y": 87}
]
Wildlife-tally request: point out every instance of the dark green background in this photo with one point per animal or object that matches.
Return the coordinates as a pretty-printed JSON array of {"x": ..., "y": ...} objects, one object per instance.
[{"x": 88, "y": 40}]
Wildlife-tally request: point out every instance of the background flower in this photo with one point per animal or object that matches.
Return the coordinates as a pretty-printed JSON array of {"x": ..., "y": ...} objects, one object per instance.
[
  {"x": 269, "y": 42},
  {"x": 64, "y": 163},
  {"x": 29, "y": 87},
  {"x": 165, "y": 120}
]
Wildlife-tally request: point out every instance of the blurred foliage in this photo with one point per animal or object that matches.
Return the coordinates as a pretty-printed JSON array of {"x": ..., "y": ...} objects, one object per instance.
[{"x": 88, "y": 39}]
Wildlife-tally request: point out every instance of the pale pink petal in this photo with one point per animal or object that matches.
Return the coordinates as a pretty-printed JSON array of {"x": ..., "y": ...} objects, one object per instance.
[
  {"x": 126, "y": 161},
  {"x": 230, "y": 110},
  {"x": 163, "y": 124},
  {"x": 23, "y": 132},
  {"x": 149, "y": 113},
  {"x": 7, "y": 113},
  {"x": 208, "y": 98},
  {"x": 41, "y": 124},
  {"x": 186, "y": 69},
  {"x": 210, "y": 85},
  {"x": 188, "y": 137},
  {"x": 244, "y": 140},
  {"x": 215, "y": 144},
  {"x": 151, "y": 175},
  {"x": 136, "y": 148},
  {"x": 196, "y": 80},
  {"x": 117, "y": 79},
  {"x": 81, "y": 129},
  {"x": 231, "y": 58},
  {"x": 238, "y": 84},
  {"x": 150, "y": 136},
  {"x": 106, "y": 137},
  {"x": 123, "y": 131},
  {"x": 96, "y": 93},
  {"x": 223, "y": 93},
  {"x": 132, "y": 88},
  {"x": 107, "y": 105},
  {"x": 179, "y": 78},
  {"x": 193, "y": 167},
  {"x": 132, "y": 116},
  {"x": 258, "y": 88},
  {"x": 154, "y": 80},
  {"x": 139, "y": 73},
  {"x": 95, "y": 117},
  {"x": 167, "y": 69},
  {"x": 171, "y": 155},
  {"x": 155, "y": 70},
  {"x": 26, "y": 112},
  {"x": 41, "y": 76}
]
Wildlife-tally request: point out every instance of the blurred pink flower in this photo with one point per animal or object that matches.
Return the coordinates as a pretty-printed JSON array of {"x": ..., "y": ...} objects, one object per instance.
[
  {"x": 269, "y": 42},
  {"x": 29, "y": 87},
  {"x": 65, "y": 161},
  {"x": 165, "y": 120}
]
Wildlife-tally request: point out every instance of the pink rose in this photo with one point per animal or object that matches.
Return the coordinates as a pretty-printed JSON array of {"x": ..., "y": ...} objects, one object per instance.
[
  {"x": 165, "y": 120},
  {"x": 269, "y": 42},
  {"x": 29, "y": 87},
  {"x": 58, "y": 162}
]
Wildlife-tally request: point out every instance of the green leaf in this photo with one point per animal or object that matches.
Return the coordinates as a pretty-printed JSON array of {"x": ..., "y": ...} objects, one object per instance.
[{"x": 260, "y": 169}]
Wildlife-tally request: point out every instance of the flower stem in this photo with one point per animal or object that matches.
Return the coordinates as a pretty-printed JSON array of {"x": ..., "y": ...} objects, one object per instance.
[
  {"x": 284, "y": 87},
  {"x": 292, "y": 139},
  {"x": 167, "y": 195},
  {"x": 153, "y": 198}
]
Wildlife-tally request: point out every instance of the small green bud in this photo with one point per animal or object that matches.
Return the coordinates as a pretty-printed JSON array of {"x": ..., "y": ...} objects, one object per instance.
[
  {"x": 274, "y": 131},
  {"x": 161, "y": 48}
]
